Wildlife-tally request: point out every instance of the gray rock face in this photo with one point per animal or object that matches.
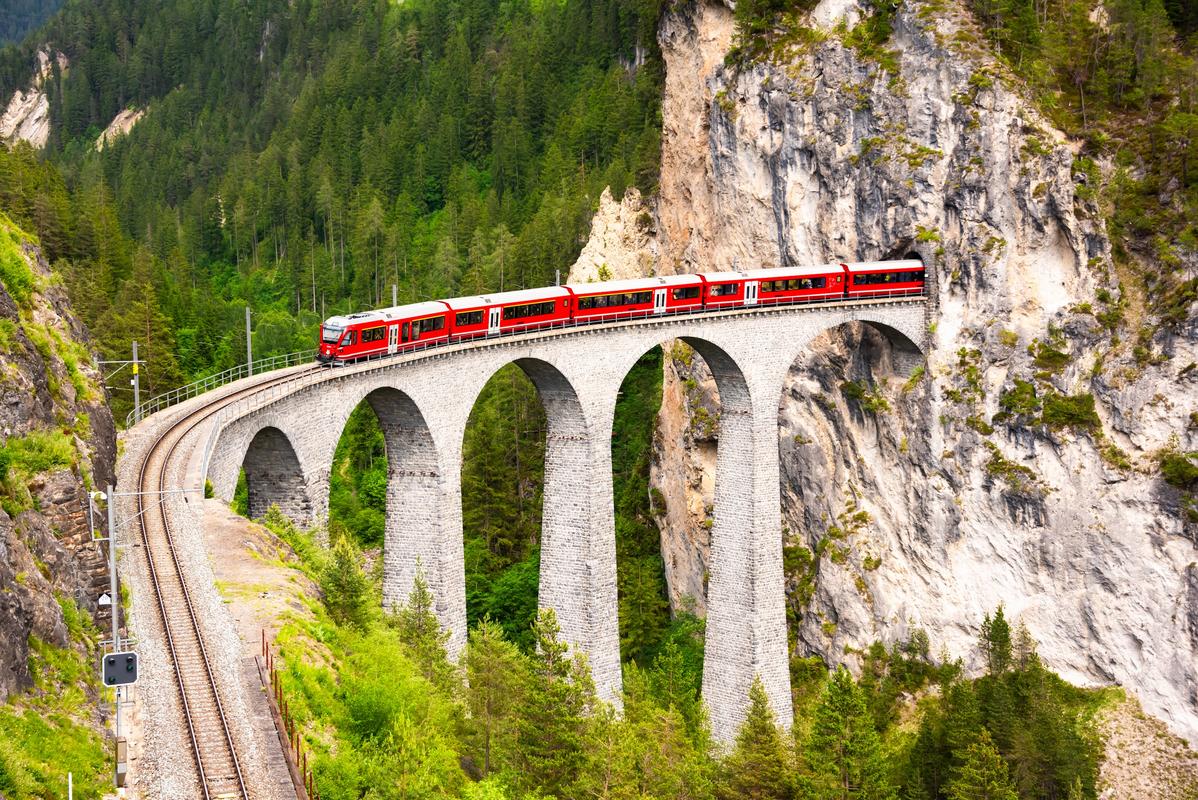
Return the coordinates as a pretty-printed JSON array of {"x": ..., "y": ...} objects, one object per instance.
[
  {"x": 933, "y": 511},
  {"x": 47, "y": 551}
]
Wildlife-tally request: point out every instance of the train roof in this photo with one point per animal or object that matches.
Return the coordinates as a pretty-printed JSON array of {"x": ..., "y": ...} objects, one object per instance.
[
  {"x": 633, "y": 284},
  {"x": 387, "y": 314},
  {"x": 721, "y": 277},
  {"x": 884, "y": 266},
  {"x": 504, "y": 298},
  {"x": 771, "y": 273}
]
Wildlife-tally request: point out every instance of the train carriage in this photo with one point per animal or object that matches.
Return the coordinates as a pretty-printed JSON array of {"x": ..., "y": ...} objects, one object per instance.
[
  {"x": 508, "y": 312},
  {"x": 796, "y": 284},
  {"x": 387, "y": 330},
  {"x": 725, "y": 289},
  {"x": 636, "y": 298},
  {"x": 884, "y": 278}
]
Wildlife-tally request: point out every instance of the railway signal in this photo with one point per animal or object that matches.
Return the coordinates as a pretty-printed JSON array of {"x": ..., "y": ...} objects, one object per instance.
[{"x": 119, "y": 669}]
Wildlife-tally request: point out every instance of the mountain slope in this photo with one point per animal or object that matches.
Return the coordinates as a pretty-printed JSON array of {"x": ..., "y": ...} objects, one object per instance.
[{"x": 1039, "y": 459}]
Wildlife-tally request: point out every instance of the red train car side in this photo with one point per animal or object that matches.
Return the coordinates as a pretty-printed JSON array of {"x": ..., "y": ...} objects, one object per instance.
[
  {"x": 884, "y": 278},
  {"x": 638, "y": 297},
  {"x": 507, "y": 312}
]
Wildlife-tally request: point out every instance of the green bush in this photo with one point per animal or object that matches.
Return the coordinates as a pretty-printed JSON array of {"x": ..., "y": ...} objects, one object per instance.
[
  {"x": 1179, "y": 469},
  {"x": 15, "y": 275},
  {"x": 1073, "y": 411}
]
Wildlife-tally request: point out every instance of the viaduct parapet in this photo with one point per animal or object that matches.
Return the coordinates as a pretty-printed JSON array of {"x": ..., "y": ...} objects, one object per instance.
[{"x": 286, "y": 443}]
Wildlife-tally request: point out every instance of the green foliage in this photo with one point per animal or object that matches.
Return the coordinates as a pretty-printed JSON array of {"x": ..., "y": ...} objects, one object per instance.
[
  {"x": 1019, "y": 401},
  {"x": 358, "y": 481},
  {"x": 241, "y": 496},
  {"x": 1072, "y": 411},
  {"x": 843, "y": 752},
  {"x": 48, "y": 731},
  {"x": 421, "y": 633},
  {"x": 502, "y": 476},
  {"x": 16, "y": 276},
  {"x": 1036, "y": 723},
  {"x": 23, "y": 457},
  {"x": 759, "y": 766},
  {"x": 640, "y": 578},
  {"x": 18, "y": 18},
  {"x": 1179, "y": 469},
  {"x": 871, "y": 401},
  {"x": 474, "y": 165},
  {"x": 995, "y": 642},
  {"x": 982, "y": 775},
  {"x": 346, "y": 589}
]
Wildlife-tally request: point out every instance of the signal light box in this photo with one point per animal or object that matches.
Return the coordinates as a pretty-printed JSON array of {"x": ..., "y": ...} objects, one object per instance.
[{"x": 119, "y": 669}]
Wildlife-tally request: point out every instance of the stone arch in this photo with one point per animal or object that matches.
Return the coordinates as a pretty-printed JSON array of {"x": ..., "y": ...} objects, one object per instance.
[
  {"x": 746, "y": 628},
  {"x": 566, "y": 459},
  {"x": 412, "y": 532},
  {"x": 274, "y": 476}
]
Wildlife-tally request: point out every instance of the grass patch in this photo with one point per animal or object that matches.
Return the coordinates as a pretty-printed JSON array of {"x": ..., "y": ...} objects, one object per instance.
[
  {"x": 15, "y": 274},
  {"x": 871, "y": 401},
  {"x": 1071, "y": 411}
]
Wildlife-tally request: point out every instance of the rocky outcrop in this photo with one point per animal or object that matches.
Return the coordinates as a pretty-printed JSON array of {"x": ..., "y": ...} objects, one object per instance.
[
  {"x": 58, "y": 440},
  {"x": 622, "y": 242},
  {"x": 1018, "y": 467},
  {"x": 27, "y": 115},
  {"x": 120, "y": 126}
]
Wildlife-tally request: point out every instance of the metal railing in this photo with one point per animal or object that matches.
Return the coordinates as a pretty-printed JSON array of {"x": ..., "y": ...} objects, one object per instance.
[{"x": 195, "y": 388}]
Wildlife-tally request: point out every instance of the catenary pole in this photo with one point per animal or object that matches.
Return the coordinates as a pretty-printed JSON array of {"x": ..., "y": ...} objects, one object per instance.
[
  {"x": 249, "y": 345},
  {"x": 136, "y": 386}
]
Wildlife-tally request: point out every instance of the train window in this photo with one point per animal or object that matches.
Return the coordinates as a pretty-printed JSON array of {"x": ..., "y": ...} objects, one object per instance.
[
  {"x": 916, "y": 276},
  {"x": 610, "y": 300},
  {"x": 794, "y": 284},
  {"x": 686, "y": 293},
  {"x": 374, "y": 334},
  {"x": 724, "y": 289},
  {"x": 422, "y": 326},
  {"x": 528, "y": 310},
  {"x": 330, "y": 335},
  {"x": 469, "y": 318},
  {"x": 350, "y": 339}
]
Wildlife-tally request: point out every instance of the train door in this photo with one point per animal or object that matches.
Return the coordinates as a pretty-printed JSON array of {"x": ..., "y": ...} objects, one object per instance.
[
  {"x": 393, "y": 338},
  {"x": 493, "y": 319},
  {"x": 750, "y": 293},
  {"x": 659, "y": 301}
]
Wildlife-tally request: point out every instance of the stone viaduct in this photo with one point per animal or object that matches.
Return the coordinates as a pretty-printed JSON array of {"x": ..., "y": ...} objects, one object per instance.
[{"x": 285, "y": 443}]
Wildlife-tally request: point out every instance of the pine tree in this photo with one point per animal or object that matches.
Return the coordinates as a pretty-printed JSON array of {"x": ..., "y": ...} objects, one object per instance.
[
  {"x": 420, "y": 631},
  {"x": 996, "y": 642},
  {"x": 496, "y": 679},
  {"x": 346, "y": 589},
  {"x": 844, "y": 753},
  {"x": 982, "y": 775},
  {"x": 759, "y": 766},
  {"x": 552, "y": 727}
]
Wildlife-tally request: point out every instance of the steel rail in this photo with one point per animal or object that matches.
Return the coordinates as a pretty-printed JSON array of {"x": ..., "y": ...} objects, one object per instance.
[{"x": 188, "y": 423}]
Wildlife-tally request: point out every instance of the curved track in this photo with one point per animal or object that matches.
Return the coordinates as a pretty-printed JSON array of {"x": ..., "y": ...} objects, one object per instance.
[{"x": 216, "y": 758}]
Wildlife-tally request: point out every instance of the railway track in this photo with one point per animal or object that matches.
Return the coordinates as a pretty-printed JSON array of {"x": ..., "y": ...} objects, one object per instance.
[{"x": 217, "y": 764}]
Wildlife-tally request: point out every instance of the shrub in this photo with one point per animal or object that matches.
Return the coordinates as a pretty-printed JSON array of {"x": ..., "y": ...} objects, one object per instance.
[
  {"x": 1179, "y": 469},
  {"x": 1073, "y": 411}
]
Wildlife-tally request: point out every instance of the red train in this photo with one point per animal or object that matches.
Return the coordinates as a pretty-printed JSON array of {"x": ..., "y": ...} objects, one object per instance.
[{"x": 418, "y": 325}]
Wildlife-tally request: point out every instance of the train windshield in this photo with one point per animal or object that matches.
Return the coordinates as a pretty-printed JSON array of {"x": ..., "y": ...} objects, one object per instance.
[{"x": 330, "y": 334}]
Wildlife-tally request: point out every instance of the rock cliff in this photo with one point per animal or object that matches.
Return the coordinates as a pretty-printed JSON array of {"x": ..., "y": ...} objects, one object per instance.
[
  {"x": 57, "y": 440},
  {"x": 1020, "y": 465},
  {"x": 27, "y": 115}
]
